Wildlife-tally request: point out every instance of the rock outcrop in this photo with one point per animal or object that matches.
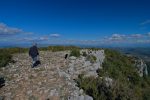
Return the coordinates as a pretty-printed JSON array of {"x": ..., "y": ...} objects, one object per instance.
[
  {"x": 141, "y": 67},
  {"x": 52, "y": 80}
]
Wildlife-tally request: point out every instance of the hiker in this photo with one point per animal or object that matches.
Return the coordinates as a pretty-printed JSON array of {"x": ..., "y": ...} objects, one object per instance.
[{"x": 33, "y": 52}]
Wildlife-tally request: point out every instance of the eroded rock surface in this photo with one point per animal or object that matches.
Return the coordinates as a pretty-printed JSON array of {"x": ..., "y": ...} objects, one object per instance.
[
  {"x": 53, "y": 79},
  {"x": 141, "y": 67}
]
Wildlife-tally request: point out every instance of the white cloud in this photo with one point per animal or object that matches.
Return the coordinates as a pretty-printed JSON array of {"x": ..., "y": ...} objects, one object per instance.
[
  {"x": 145, "y": 22},
  {"x": 136, "y": 36},
  {"x": 54, "y": 35},
  {"x": 120, "y": 37},
  {"x": 143, "y": 41},
  {"x": 31, "y": 39},
  {"x": 131, "y": 38},
  {"x": 44, "y": 38},
  {"x": 5, "y": 30},
  {"x": 148, "y": 34},
  {"x": 116, "y": 37},
  {"x": 29, "y": 33}
]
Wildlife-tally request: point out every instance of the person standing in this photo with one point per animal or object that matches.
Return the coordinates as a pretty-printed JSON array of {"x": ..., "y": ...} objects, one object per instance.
[{"x": 33, "y": 53}]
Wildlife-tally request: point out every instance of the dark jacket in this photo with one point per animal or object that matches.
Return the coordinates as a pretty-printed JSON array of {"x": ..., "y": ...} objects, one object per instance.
[{"x": 33, "y": 52}]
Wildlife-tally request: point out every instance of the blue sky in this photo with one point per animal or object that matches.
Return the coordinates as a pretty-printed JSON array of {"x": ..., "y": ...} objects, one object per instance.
[{"x": 88, "y": 22}]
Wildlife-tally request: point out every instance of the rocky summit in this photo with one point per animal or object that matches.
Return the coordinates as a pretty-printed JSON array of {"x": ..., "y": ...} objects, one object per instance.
[{"x": 52, "y": 80}]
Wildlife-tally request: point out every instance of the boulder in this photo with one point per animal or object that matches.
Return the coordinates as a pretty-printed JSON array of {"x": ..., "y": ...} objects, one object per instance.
[
  {"x": 73, "y": 58},
  {"x": 87, "y": 97},
  {"x": 108, "y": 81}
]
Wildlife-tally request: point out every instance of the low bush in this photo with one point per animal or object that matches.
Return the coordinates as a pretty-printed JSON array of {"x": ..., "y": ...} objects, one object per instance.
[
  {"x": 58, "y": 48},
  {"x": 91, "y": 58},
  {"x": 6, "y": 55},
  {"x": 75, "y": 52},
  {"x": 5, "y": 58},
  {"x": 84, "y": 54},
  {"x": 127, "y": 84}
]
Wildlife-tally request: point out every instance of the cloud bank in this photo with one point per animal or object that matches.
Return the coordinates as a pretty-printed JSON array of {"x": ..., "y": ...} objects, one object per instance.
[
  {"x": 145, "y": 22},
  {"x": 20, "y": 36},
  {"x": 131, "y": 38},
  {"x": 55, "y": 35},
  {"x": 5, "y": 30}
]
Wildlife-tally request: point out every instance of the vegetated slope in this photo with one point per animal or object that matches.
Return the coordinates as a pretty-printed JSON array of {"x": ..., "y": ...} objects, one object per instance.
[
  {"x": 143, "y": 53},
  {"x": 6, "y": 55},
  {"x": 118, "y": 80}
]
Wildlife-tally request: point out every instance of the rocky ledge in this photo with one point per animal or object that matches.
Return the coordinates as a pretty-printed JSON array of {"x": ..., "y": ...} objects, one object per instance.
[{"x": 52, "y": 80}]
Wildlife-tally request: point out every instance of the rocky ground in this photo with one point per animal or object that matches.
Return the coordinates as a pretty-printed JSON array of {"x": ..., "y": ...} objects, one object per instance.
[{"x": 52, "y": 80}]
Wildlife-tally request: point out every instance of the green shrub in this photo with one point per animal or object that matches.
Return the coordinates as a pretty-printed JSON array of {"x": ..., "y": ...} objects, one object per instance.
[
  {"x": 146, "y": 94},
  {"x": 127, "y": 85},
  {"x": 97, "y": 88},
  {"x": 100, "y": 72},
  {"x": 84, "y": 54},
  {"x": 91, "y": 58},
  {"x": 5, "y": 58},
  {"x": 75, "y": 52},
  {"x": 15, "y": 50},
  {"x": 94, "y": 49},
  {"x": 58, "y": 48},
  {"x": 6, "y": 55}
]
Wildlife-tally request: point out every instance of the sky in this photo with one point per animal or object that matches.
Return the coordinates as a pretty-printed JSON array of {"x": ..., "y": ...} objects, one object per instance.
[{"x": 75, "y": 22}]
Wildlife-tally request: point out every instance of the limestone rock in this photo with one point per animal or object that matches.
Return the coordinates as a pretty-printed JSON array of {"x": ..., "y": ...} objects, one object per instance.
[
  {"x": 73, "y": 58},
  {"x": 86, "y": 97},
  {"x": 141, "y": 67},
  {"x": 108, "y": 81},
  {"x": 50, "y": 79}
]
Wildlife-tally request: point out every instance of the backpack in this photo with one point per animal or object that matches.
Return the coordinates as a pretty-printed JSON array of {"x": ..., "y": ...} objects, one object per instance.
[{"x": 2, "y": 82}]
